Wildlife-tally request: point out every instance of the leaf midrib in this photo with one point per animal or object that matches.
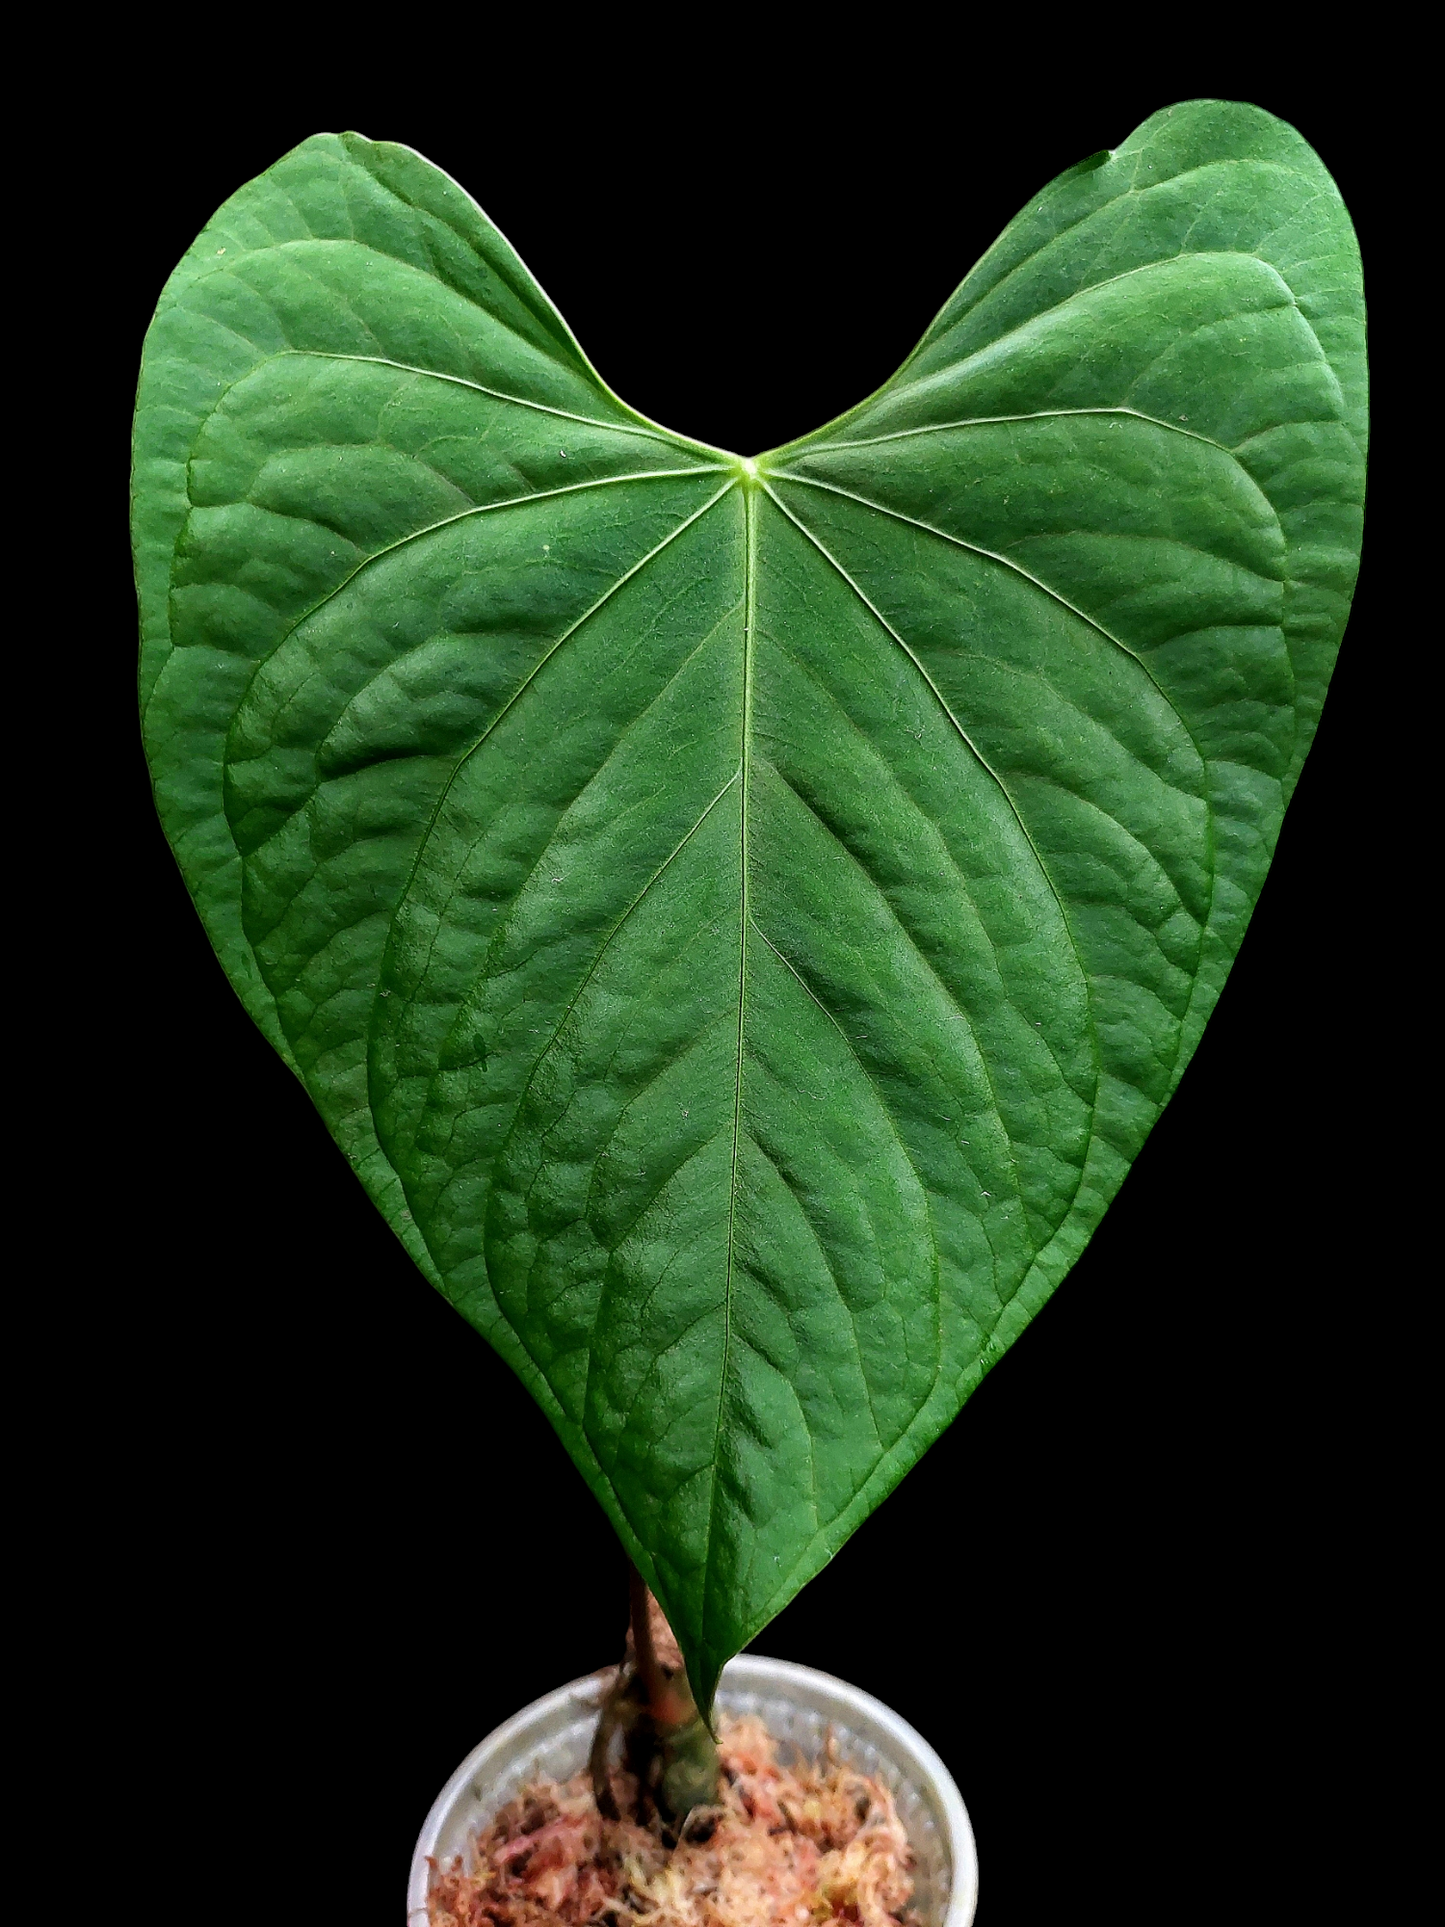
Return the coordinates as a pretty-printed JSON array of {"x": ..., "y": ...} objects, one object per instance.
[{"x": 750, "y": 606}]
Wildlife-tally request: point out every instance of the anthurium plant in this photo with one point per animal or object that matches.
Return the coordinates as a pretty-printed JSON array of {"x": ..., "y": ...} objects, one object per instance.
[{"x": 741, "y": 915}]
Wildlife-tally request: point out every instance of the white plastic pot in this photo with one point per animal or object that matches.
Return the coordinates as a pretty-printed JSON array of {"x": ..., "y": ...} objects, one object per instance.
[{"x": 549, "y": 1740}]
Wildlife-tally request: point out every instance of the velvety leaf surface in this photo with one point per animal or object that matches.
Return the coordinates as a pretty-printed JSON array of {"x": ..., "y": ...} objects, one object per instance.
[{"x": 741, "y": 919}]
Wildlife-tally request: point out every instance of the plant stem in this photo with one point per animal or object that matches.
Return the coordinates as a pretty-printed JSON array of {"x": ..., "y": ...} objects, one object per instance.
[
  {"x": 667, "y": 1705},
  {"x": 668, "y": 1745}
]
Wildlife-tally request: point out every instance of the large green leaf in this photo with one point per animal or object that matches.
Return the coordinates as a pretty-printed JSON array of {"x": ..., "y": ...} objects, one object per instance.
[{"x": 741, "y": 918}]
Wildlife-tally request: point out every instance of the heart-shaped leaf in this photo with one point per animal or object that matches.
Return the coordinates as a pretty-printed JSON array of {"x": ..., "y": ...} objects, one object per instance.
[{"x": 741, "y": 918}]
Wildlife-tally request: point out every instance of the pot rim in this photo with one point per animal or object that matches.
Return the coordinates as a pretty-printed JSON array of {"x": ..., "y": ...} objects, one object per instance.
[{"x": 749, "y": 1671}]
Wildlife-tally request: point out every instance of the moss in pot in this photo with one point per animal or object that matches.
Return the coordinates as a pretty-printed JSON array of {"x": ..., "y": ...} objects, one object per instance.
[
  {"x": 809, "y": 1717},
  {"x": 742, "y": 916}
]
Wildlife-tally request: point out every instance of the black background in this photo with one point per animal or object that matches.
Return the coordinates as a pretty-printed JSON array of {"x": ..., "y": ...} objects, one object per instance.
[{"x": 1121, "y": 1593}]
